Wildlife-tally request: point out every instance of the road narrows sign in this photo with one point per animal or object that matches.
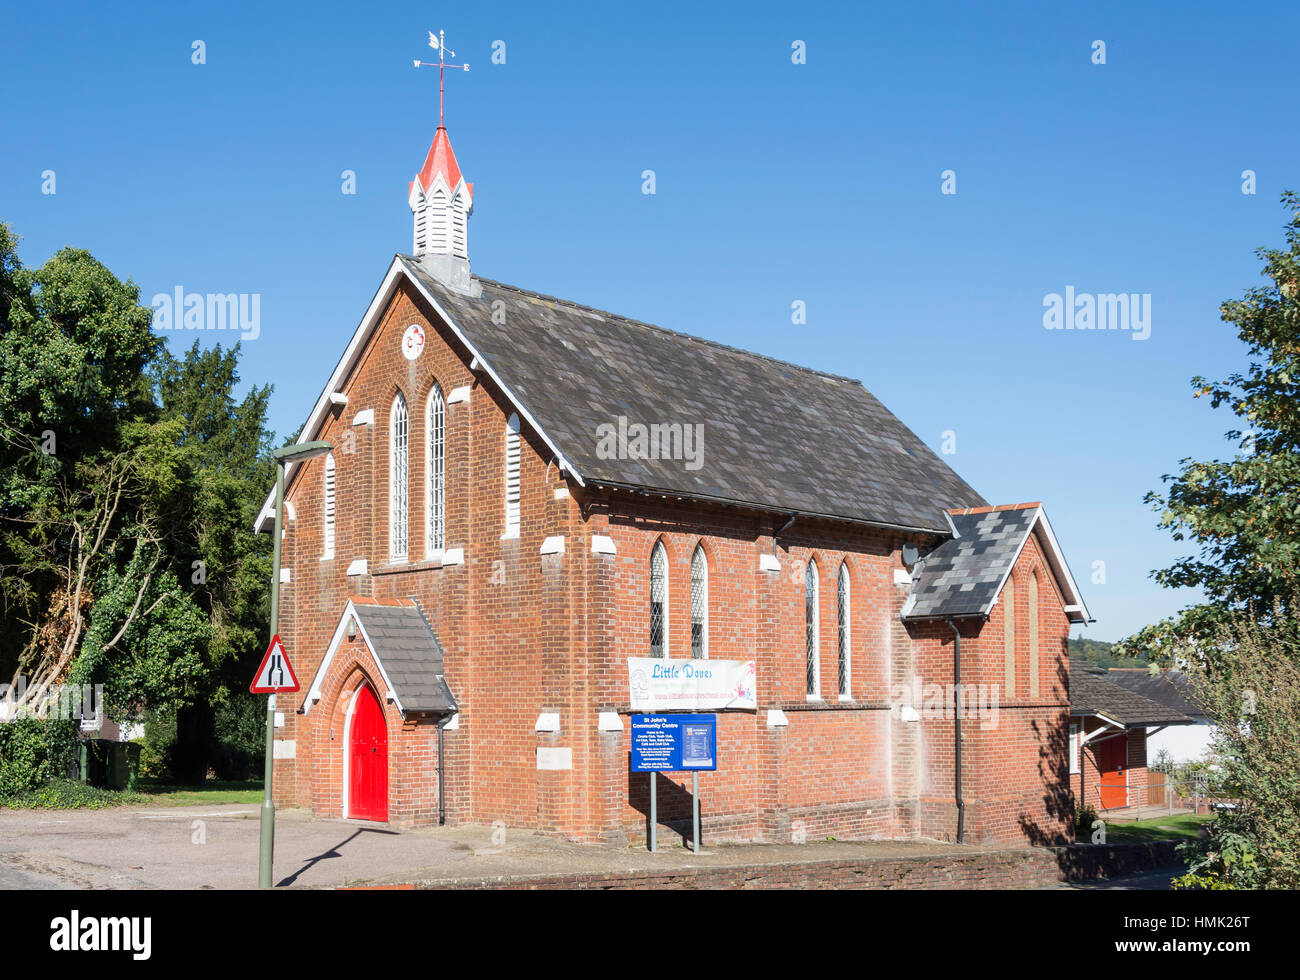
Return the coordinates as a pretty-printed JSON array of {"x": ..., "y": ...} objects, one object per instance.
[{"x": 276, "y": 673}]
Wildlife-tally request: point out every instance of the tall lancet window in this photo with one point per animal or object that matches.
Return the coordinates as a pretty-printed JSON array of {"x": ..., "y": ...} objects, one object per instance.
[
  {"x": 398, "y": 471},
  {"x": 699, "y": 605},
  {"x": 1008, "y": 602},
  {"x": 658, "y": 601},
  {"x": 1033, "y": 634},
  {"x": 512, "y": 476},
  {"x": 812, "y": 631},
  {"x": 435, "y": 427},
  {"x": 842, "y": 621},
  {"x": 329, "y": 507}
]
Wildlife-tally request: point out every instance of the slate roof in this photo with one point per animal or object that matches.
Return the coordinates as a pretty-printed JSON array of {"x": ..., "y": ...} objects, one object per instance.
[
  {"x": 1169, "y": 688},
  {"x": 775, "y": 436},
  {"x": 1093, "y": 693},
  {"x": 409, "y": 653},
  {"x": 963, "y": 575}
]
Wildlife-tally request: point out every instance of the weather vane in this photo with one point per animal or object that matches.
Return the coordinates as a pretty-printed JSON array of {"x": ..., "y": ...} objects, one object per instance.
[{"x": 439, "y": 44}]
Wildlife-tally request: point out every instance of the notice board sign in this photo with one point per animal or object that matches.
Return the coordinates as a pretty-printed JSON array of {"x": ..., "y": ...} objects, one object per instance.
[
  {"x": 674, "y": 743},
  {"x": 691, "y": 685}
]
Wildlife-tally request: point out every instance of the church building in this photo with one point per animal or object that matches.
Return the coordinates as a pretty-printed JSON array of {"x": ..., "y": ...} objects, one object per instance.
[{"x": 526, "y": 493}]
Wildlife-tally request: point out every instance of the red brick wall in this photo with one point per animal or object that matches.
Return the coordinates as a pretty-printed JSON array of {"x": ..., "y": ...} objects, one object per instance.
[{"x": 525, "y": 633}]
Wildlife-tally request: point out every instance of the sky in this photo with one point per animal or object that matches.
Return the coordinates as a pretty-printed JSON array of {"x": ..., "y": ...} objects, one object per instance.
[{"x": 219, "y": 167}]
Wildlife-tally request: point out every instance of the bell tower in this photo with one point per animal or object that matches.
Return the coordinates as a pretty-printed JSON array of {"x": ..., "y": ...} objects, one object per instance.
[{"x": 440, "y": 198}]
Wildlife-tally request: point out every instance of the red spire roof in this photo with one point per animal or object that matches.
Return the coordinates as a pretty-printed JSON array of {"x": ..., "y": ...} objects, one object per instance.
[{"x": 440, "y": 160}]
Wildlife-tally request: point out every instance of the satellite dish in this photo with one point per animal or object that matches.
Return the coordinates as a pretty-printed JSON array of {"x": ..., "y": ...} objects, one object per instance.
[{"x": 910, "y": 555}]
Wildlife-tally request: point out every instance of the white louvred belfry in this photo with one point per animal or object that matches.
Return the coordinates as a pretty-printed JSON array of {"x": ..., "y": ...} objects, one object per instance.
[{"x": 441, "y": 200}]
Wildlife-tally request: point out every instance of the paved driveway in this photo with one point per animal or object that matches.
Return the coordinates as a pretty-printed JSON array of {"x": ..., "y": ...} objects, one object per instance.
[
  {"x": 216, "y": 847},
  {"x": 202, "y": 847}
]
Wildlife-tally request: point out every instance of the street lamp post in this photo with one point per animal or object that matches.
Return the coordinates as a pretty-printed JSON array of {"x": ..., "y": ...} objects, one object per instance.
[{"x": 289, "y": 454}]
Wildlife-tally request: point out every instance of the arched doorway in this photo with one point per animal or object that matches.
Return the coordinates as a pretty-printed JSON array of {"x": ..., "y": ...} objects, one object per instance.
[{"x": 367, "y": 748}]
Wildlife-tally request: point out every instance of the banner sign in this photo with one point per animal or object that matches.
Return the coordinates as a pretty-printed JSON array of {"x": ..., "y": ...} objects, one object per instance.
[
  {"x": 674, "y": 743},
  {"x": 691, "y": 685}
]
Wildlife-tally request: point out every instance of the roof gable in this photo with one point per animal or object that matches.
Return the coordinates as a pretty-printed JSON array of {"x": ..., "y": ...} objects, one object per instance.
[
  {"x": 1093, "y": 694},
  {"x": 965, "y": 575},
  {"x": 404, "y": 648},
  {"x": 774, "y": 436}
]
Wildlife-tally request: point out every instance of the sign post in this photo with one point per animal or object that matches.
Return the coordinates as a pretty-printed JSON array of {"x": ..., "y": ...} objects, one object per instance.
[
  {"x": 272, "y": 671},
  {"x": 674, "y": 743}
]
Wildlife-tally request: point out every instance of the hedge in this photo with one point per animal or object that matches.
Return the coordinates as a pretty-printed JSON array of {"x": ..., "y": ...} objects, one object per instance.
[{"x": 33, "y": 751}]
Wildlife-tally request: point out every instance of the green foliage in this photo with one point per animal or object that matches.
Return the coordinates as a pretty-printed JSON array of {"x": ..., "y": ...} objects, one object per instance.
[
  {"x": 1194, "y": 881},
  {"x": 159, "y": 660},
  {"x": 1250, "y": 689},
  {"x": 241, "y": 737},
  {"x": 1102, "y": 654},
  {"x": 157, "y": 745},
  {"x": 33, "y": 751},
  {"x": 129, "y": 482},
  {"x": 1084, "y": 818},
  {"x": 1243, "y": 513},
  {"x": 61, "y": 793}
]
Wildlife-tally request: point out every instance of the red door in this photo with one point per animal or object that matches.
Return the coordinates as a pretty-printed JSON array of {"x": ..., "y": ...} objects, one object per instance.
[
  {"x": 368, "y": 759},
  {"x": 1112, "y": 761}
]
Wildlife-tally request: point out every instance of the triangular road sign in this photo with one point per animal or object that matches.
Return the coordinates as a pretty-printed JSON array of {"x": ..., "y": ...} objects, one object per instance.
[{"x": 276, "y": 673}]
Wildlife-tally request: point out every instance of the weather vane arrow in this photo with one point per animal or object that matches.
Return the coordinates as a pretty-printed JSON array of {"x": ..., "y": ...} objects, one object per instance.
[{"x": 439, "y": 44}]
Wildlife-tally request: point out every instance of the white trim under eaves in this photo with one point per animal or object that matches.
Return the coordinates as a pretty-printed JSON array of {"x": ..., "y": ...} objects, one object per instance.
[
  {"x": 1112, "y": 729},
  {"x": 352, "y": 354},
  {"x": 1062, "y": 570}
]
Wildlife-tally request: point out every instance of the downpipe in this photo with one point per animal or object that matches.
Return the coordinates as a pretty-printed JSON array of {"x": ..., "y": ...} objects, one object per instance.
[{"x": 957, "y": 729}]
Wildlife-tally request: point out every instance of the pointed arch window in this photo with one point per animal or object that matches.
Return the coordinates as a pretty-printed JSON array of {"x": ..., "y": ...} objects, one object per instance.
[
  {"x": 436, "y": 472},
  {"x": 329, "y": 506},
  {"x": 812, "y": 630},
  {"x": 1008, "y": 601},
  {"x": 842, "y": 623},
  {"x": 512, "y": 476},
  {"x": 398, "y": 472},
  {"x": 699, "y": 604},
  {"x": 1033, "y": 634},
  {"x": 658, "y": 601}
]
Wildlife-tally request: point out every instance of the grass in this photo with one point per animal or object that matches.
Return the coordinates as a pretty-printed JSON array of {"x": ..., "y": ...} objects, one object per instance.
[
  {"x": 67, "y": 794},
  {"x": 213, "y": 791},
  {"x": 1181, "y": 826}
]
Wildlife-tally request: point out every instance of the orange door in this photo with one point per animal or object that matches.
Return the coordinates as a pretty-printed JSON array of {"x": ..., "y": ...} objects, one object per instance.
[
  {"x": 368, "y": 759},
  {"x": 1112, "y": 761}
]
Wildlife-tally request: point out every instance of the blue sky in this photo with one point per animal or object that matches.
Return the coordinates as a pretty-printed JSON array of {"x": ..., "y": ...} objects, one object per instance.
[{"x": 775, "y": 182}]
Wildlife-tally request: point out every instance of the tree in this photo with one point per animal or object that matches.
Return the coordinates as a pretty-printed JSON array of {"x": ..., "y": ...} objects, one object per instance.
[
  {"x": 129, "y": 482},
  {"x": 1250, "y": 689},
  {"x": 75, "y": 411},
  {"x": 1243, "y": 513}
]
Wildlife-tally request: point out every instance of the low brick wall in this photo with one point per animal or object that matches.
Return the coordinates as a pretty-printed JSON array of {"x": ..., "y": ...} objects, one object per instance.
[
  {"x": 1085, "y": 862},
  {"x": 1028, "y": 867}
]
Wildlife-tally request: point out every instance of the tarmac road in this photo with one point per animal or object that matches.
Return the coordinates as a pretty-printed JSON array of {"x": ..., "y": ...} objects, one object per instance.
[
  {"x": 201, "y": 847},
  {"x": 216, "y": 847}
]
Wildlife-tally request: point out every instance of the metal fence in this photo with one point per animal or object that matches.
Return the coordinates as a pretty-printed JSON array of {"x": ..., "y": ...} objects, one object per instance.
[{"x": 1154, "y": 793}]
